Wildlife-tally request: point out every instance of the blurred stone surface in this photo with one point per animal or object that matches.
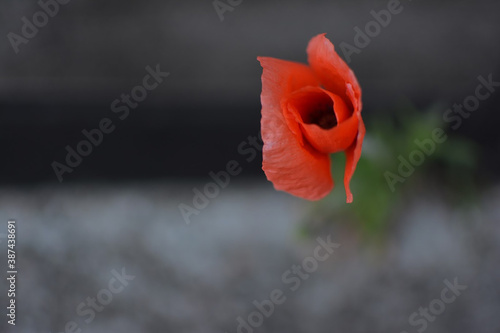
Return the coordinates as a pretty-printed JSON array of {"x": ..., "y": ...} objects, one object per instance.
[{"x": 201, "y": 277}]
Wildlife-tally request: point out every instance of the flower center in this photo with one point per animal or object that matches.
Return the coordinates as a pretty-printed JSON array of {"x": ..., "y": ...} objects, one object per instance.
[
  {"x": 313, "y": 116},
  {"x": 316, "y": 107},
  {"x": 323, "y": 117}
]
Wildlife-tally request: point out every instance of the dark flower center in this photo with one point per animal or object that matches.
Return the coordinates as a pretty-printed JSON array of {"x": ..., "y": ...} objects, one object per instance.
[
  {"x": 324, "y": 118},
  {"x": 318, "y": 110}
]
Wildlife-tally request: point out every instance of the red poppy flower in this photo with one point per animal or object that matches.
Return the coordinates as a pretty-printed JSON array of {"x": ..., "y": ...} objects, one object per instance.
[{"x": 309, "y": 112}]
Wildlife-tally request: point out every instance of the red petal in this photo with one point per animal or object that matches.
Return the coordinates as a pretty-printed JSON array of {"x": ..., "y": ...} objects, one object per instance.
[
  {"x": 331, "y": 70},
  {"x": 291, "y": 166},
  {"x": 333, "y": 140},
  {"x": 354, "y": 151}
]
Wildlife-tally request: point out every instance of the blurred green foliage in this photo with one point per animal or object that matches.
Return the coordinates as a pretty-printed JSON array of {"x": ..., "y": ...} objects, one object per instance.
[{"x": 450, "y": 168}]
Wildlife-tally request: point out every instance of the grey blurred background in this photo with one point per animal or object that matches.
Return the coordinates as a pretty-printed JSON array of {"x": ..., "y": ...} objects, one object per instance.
[
  {"x": 65, "y": 78},
  {"x": 119, "y": 208}
]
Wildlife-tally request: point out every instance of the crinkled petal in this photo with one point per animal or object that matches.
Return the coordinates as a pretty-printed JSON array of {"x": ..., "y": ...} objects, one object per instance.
[
  {"x": 330, "y": 69},
  {"x": 291, "y": 166},
  {"x": 353, "y": 153}
]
